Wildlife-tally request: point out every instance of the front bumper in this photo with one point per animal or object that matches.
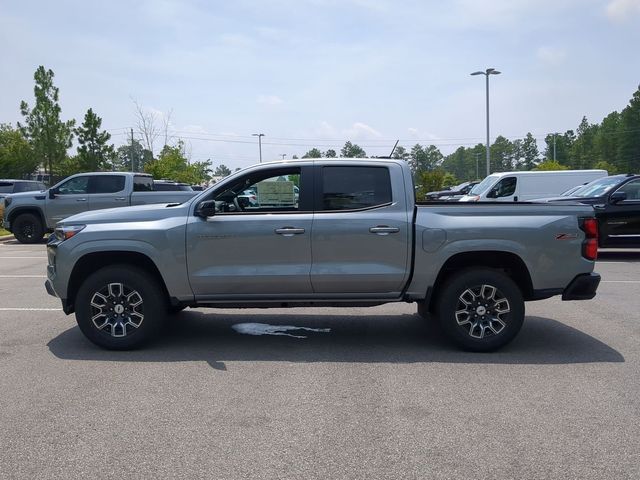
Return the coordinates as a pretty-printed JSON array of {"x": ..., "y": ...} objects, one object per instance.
[{"x": 583, "y": 287}]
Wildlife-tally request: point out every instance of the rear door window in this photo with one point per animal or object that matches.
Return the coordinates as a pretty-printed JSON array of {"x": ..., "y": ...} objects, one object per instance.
[
  {"x": 142, "y": 184},
  {"x": 107, "y": 183},
  {"x": 354, "y": 188}
]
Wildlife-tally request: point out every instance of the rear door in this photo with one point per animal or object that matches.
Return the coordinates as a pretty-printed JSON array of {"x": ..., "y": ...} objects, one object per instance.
[
  {"x": 107, "y": 191},
  {"x": 361, "y": 228}
]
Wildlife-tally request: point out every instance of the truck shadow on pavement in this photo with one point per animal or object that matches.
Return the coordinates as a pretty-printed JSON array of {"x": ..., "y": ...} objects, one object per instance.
[
  {"x": 196, "y": 336},
  {"x": 618, "y": 256}
]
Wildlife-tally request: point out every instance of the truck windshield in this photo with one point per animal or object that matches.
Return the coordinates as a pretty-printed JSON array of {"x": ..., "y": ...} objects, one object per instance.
[
  {"x": 597, "y": 187},
  {"x": 484, "y": 185}
]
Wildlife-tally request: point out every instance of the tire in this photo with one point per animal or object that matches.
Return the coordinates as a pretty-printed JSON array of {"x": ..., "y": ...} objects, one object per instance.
[
  {"x": 480, "y": 309},
  {"x": 120, "y": 307},
  {"x": 28, "y": 228}
]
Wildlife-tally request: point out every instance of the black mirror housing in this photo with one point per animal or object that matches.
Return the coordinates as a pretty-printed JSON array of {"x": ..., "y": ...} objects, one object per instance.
[
  {"x": 206, "y": 209},
  {"x": 617, "y": 197},
  {"x": 52, "y": 193}
]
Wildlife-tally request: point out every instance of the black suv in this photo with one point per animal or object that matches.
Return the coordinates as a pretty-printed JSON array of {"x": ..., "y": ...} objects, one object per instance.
[
  {"x": 451, "y": 194},
  {"x": 9, "y": 186},
  {"x": 616, "y": 200}
]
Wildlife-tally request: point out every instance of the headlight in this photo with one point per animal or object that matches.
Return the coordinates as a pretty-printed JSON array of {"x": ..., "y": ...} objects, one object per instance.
[{"x": 67, "y": 231}]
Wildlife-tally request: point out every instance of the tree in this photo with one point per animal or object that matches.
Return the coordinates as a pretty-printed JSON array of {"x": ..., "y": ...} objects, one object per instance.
[
  {"x": 423, "y": 159},
  {"x": 605, "y": 143},
  {"x": 49, "y": 136},
  {"x": 331, "y": 153},
  {"x": 131, "y": 158},
  {"x": 17, "y": 157},
  {"x": 529, "y": 154},
  {"x": 352, "y": 150},
  {"x": 222, "y": 171},
  {"x": 313, "y": 153},
  {"x": 93, "y": 152},
  {"x": 503, "y": 155},
  {"x": 581, "y": 154},
  {"x": 400, "y": 153},
  {"x": 563, "y": 146},
  {"x": 629, "y": 135},
  {"x": 610, "y": 168},
  {"x": 172, "y": 164},
  {"x": 429, "y": 181},
  {"x": 550, "y": 165}
]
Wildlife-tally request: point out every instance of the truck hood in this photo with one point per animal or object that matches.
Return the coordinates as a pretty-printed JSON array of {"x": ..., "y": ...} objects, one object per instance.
[
  {"x": 33, "y": 195},
  {"x": 139, "y": 213}
]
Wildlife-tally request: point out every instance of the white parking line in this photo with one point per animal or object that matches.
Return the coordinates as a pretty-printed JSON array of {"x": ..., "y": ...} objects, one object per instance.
[
  {"x": 23, "y": 276},
  {"x": 9, "y": 258},
  {"x": 18, "y": 309}
]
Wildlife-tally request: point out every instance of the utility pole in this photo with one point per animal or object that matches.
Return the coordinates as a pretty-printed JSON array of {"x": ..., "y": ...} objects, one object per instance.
[
  {"x": 486, "y": 73},
  {"x": 259, "y": 135},
  {"x": 131, "y": 150},
  {"x": 554, "y": 147}
]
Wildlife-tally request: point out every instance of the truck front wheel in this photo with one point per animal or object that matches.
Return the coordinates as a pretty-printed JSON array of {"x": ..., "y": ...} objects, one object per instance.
[
  {"x": 28, "y": 228},
  {"x": 120, "y": 307},
  {"x": 480, "y": 309}
]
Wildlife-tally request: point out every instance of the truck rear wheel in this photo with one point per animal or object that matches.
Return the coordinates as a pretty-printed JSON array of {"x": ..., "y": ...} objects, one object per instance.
[
  {"x": 28, "y": 228},
  {"x": 120, "y": 307},
  {"x": 480, "y": 309}
]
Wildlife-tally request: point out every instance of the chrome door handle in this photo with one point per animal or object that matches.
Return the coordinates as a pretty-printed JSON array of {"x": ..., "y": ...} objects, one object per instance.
[
  {"x": 81, "y": 199},
  {"x": 120, "y": 199},
  {"x": 289, "y": 231},
  {"x": 383, "y": 230}
]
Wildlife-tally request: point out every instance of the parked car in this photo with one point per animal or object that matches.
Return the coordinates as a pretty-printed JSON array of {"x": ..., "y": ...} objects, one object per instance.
[
  {"x": 616, "y": 201},
  {"x": 524, "y": 186},
  {"x": 572, "y": 190},
  {"x": 355, "y": 237},
  {"x": 170, "y": 186},
  {"x": 451, "y": 194},
  {"x": 9, "y": 186},
  {"x": 29, "y": 215}
]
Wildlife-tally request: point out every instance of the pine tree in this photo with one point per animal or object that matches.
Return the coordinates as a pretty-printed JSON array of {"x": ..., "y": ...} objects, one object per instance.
[{"x": 93, "y": 152}]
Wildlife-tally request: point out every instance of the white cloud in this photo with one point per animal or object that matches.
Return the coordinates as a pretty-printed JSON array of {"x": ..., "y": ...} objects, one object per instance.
[
  {"x": 360, "y": 131},
  {"x": 620, "y": 10},
  {"x": 551, "y": 55},
  {"x": 270, "y": 100}
]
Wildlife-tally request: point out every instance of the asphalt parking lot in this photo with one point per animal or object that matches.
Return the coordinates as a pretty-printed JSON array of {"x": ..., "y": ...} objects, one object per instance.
[{"x": 362, "y": 393}]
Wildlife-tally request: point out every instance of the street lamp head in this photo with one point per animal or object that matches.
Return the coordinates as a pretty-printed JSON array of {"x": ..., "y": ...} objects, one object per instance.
[
  {"x": 257, "y": 134},
  {"x": 478, "y": 73},
  {"x": 494, "y": 72}
]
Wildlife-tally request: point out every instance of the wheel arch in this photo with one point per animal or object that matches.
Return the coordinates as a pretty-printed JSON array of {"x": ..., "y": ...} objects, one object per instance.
[
  {"x": 33, "y": 210},
  {"x": 509, "y": 263},
  {"x": 92, "y": 262}
]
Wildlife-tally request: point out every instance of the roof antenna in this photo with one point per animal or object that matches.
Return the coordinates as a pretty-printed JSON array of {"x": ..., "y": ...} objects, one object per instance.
[{"x": 393, "y": 149}]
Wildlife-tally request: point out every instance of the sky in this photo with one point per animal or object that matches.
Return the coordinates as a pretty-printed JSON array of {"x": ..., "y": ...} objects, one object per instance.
[{"x": 319, "y": 72}]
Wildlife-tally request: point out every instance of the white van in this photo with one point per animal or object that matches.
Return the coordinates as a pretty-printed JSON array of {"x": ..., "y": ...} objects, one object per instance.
[{"x": 524, "y": 186}]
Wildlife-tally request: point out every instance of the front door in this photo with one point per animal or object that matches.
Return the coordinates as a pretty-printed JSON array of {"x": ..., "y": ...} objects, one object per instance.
[
  {"x": 360, "y": 231},
  {"x": 620, "y": 224},
  {"x": 71, "y": 197},
  {"x": 258, "y": 244}
]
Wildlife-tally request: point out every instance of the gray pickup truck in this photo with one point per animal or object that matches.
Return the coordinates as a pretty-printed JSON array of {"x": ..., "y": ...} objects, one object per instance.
[
  {"x": 338, "y": 232},
  {"x": 29, "y": 215}
]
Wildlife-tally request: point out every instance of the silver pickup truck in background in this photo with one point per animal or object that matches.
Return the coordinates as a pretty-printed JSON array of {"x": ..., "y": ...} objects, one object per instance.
[
  {"x": 334, "y": 232},
  {"x": 30, "y": 215}
]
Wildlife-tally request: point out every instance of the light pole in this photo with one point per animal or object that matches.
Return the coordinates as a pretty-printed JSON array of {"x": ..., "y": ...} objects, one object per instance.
[
  {"x": 486, "y": 73},
  {"x": 259, "y": 135},
  {"x": 477, "y": 163}
]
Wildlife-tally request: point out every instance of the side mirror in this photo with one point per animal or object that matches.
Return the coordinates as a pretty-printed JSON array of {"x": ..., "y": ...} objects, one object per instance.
[
  {"x": 52, "y": 193},
  {"x": 206, "y": 209},
  {"x": 492, "y": 194},
  {"x": 617, "y": 197}
]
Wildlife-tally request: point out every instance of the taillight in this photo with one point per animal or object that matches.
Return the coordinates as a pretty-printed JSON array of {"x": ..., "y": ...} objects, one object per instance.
[{"x": 590, "y": 244}]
